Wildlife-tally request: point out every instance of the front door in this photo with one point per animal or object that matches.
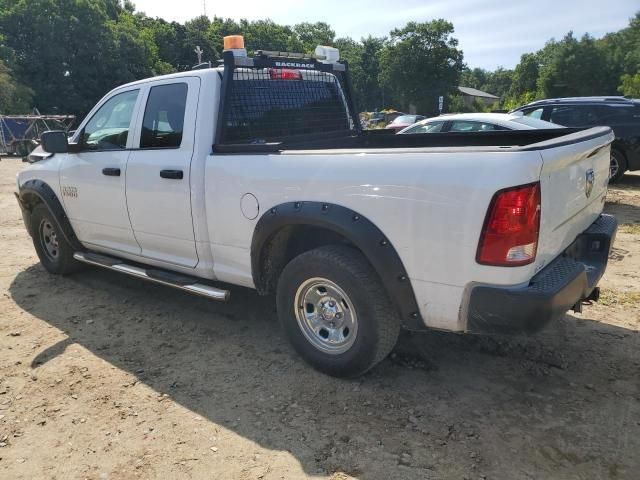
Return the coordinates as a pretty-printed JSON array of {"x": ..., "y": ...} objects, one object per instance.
[
  {"x": 159, "y": 172},
  {"x": 93, "y": 180}
]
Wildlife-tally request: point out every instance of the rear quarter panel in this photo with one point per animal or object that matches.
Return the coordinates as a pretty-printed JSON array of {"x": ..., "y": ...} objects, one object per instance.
[{"x": 430, "y": 205}]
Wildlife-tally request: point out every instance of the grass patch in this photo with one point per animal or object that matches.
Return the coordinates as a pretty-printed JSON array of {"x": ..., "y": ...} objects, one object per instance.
[
  {"x": 633, "y": 228},
  {"x": 610, "y": 298}
]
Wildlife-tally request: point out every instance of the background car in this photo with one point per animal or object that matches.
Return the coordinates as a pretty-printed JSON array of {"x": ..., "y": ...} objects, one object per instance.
[
  {"x": 404, "y": 121},
  {"x": 620, "y": 113},
  {"x": 477, "y": 122}
]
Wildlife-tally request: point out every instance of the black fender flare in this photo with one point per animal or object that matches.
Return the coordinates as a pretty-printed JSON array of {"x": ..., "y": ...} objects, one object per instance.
[
  {"x": 42, "y": 191},
  {"x": 354, "y": 227}
]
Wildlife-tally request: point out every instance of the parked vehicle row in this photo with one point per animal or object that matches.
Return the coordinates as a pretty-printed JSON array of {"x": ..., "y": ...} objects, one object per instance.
[
  {"x": 476, "y": 122},
  {"x": 620, "y": 113}
]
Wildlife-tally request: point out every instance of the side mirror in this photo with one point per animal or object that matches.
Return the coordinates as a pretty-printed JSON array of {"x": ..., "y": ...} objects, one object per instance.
[{"x": 55, "y": 141}]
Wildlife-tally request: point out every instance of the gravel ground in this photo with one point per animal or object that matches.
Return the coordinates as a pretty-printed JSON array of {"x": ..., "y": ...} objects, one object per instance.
[{"x": 107, "y": 377}]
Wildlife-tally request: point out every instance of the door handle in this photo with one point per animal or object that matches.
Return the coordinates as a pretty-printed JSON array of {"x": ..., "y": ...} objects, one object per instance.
[
  {"x": 173, "y": 174},
  {"x": 111, "y": 172}
]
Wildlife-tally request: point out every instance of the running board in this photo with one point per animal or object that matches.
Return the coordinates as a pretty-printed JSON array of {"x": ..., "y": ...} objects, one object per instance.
[{"x": 182, "y": 282}]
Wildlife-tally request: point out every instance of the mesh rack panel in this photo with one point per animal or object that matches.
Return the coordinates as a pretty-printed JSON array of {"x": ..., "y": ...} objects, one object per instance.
[{"x": 264, "y": 102}]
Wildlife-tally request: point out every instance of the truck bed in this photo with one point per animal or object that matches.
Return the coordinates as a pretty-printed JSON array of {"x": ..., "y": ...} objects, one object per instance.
[{"x": 385, "y": 139}]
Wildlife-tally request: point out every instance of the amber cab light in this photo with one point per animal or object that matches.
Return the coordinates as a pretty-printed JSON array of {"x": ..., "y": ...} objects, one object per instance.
[
  {"x": 233, "y": 42},
  {"x": 510, "y": 233}
]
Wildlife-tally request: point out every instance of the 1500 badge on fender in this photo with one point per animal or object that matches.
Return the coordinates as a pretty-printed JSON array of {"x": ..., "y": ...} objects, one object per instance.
[{"x": 71, "y": 192}]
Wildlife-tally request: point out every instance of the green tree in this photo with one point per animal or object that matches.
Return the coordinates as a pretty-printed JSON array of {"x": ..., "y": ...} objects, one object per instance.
[
  {"x": 420, "y": 62},
  {"x": 622, "y": 50},
  {"x": 199, "y": 33},
  {"x": 82, "y": 49},
  {"x": 364, "y": 68},
  {"x": 630, "y": 85},
  {"x": 573, "y": 67},
  {"x": 497, "y": 82},
  {"x": 310, "y": 35},
  {"x": 525, "y": 76},
  {"x": 14, "y": 97},
  {"x": 268, "y": 35}
]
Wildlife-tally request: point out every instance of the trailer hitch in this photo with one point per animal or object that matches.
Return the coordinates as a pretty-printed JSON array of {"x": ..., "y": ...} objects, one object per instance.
[{"x": 593, "y": 297}]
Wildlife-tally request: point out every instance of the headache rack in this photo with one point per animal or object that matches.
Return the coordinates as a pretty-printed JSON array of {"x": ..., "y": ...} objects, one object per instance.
[{"x": 276, "y": 100}]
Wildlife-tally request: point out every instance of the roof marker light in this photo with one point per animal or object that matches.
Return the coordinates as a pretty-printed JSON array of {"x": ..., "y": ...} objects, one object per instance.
[{"x": 327, "y": 54}]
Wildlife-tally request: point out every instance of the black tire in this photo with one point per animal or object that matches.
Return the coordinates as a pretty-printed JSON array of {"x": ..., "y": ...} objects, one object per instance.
[
  {"x": 378, "y": 322},
  {"x": 618, "y": 165},
  {"x": 55, "y": 257}
]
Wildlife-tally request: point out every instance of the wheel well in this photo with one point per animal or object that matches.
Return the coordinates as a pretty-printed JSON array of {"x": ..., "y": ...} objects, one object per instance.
[
  {"x": 287, "y": 243},
  {"x": 289, "y": 229}
]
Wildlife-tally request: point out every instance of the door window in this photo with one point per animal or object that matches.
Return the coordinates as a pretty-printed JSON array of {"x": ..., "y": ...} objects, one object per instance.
[
  {"x": 575, "y": 115},
  {"x": 163, "y": 122},
  {"x": 432, "y": 127},
  {"x": 108, "y": 129},
  {"x": 534, "y": 113},
  {"x": 463, "y": 126}
]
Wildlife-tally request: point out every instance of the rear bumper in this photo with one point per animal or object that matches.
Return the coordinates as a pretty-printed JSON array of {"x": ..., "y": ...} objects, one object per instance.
[{"x": 566, "y": 281}]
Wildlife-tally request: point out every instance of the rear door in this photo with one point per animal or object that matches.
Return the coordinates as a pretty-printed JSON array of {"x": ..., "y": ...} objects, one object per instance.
[{"x": 159, "y": 172}]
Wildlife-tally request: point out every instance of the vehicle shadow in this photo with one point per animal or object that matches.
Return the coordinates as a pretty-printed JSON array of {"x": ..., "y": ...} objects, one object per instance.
[{"x": 442, "y": 406}]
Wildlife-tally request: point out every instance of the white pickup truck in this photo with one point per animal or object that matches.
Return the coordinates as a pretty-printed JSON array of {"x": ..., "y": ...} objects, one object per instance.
[{"x": 256, "y": 173}]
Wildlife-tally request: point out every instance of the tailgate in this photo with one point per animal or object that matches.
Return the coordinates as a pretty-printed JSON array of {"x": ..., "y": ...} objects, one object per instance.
[{"x": 573, "y": 180}]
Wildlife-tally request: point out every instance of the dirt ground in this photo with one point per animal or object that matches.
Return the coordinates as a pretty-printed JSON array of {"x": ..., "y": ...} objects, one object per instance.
[{"x": 108, "y": 377}]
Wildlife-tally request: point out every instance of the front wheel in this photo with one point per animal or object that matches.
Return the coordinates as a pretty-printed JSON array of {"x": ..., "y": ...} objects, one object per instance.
[
  {"x": 617, "y": 166},
  {"x": 336, "y": 312},
  {"x": 55, "y": 253}
]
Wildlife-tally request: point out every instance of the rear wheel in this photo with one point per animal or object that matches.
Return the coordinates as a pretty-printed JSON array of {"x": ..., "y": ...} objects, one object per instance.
[
  {"x": 54, "y": 252},
  {"x": 336, "y": 312},
  {"x": 617, "y": 166}
]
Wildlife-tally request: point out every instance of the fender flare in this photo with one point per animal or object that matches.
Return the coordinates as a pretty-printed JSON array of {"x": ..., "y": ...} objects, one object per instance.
[
  {"x": 46, "y": 195},
  {"x": 357, "y": 229}
]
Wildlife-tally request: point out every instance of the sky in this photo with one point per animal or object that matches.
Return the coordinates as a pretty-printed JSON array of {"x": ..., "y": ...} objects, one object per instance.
[{"x": 492, "y": 33}]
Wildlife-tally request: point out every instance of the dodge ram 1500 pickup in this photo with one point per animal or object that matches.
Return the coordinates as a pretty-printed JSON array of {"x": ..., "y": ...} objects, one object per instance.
[{"x": 256, "y": 173}]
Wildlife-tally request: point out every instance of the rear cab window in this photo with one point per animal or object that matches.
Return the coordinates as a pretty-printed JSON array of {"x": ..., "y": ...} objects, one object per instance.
[{"x": 263, "y": 107}]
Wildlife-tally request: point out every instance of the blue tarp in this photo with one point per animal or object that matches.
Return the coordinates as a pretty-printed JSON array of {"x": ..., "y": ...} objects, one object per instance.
[{"x": 13, "y": 128}]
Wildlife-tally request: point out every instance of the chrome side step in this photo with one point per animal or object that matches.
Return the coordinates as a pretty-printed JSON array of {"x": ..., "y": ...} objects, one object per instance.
[{"x": 164, "y": 277}]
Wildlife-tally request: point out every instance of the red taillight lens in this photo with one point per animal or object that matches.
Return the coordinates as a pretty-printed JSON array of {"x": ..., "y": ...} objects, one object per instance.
[
  {"x": 284, "y": 74},
  {"x": 510, "y": 233}
]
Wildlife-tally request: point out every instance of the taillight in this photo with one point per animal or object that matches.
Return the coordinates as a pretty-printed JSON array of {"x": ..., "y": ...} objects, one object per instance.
[
  {"x": 510, "y": 233},
  {"x": 284, "y": 74}
]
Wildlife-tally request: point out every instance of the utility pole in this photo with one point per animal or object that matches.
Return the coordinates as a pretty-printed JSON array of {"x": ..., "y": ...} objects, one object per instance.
[{"x": 204, "y": 7}]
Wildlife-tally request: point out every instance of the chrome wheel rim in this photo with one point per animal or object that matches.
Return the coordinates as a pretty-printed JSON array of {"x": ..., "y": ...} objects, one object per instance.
[
  {"x": 49, "y": 240},
  {"x": 326, "y": 316},
  {"x": 614, "y": 166}
]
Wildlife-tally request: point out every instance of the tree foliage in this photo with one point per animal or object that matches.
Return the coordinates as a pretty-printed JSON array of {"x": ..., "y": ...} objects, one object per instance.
[
  {"x": 63, "y": 55},
  {"x": 14, "y": 97},
  {"x": 419, "y": 63}
]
